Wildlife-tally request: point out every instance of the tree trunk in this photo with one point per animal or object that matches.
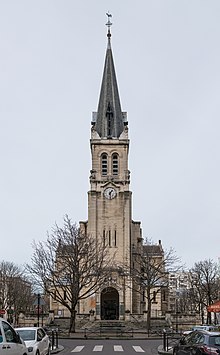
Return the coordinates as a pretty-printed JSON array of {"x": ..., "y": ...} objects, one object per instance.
[
  {"x": 209, "y": 318},
  {"x": 148, "y": 310},
  {"x": 72, "y": 327},
  {"x": 202, "y": 314}
]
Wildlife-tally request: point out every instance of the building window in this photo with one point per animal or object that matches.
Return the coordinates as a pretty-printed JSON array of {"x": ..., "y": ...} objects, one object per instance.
[
  {"x": 115, "y": 241},
  {"x": 115, "y": 164},
  {"x": 109, "y": 238},
  {"x": 54, "y": 296},
  {"x": 104, "y": 243},
  {"x": 104, "y": 162}
]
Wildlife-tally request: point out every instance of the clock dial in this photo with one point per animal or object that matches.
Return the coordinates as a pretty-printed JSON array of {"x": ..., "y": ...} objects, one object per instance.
[{"x": 110, "y": 193}]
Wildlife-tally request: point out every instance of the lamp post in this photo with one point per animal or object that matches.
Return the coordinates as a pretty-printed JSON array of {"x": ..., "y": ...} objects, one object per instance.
[
  {"x": 177, "y": 319},
  {"x": 177, "y": 314},
  {"x": 38, "y": 308},
  {"x": 39, "y": 303}
]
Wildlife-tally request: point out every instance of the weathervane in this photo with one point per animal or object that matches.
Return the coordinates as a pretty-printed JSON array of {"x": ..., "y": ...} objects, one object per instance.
[{"x": 109, "y": 24}]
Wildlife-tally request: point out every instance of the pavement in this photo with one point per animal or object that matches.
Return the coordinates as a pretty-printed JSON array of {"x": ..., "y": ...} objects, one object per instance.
[{"x": 130, "y": 334}]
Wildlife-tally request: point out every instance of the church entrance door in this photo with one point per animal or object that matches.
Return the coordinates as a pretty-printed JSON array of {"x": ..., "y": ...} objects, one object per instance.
[{"x": 109, "y": 304}]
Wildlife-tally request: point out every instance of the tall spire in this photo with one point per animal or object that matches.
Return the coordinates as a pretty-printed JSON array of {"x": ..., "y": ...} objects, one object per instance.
[{"x": 109, "y": 121}]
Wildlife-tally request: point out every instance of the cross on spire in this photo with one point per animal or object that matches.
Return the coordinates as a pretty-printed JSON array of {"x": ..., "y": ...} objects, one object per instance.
[{"x": 109, "y": 24}]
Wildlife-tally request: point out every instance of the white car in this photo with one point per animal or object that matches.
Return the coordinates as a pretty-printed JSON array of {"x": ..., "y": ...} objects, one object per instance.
[
  {"x": 10, "y": 341},
  {"x": 36, "y": 340}
]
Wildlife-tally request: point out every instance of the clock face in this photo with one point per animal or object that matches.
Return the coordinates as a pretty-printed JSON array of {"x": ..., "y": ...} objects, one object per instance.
[{"x": 110, "y": 193}]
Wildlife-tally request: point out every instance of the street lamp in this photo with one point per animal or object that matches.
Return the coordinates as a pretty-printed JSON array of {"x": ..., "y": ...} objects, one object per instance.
[{"x": 39, "y": 302}]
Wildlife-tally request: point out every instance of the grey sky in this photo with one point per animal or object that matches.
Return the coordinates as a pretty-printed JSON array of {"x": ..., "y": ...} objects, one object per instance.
[{"x": 167, "y": 58}]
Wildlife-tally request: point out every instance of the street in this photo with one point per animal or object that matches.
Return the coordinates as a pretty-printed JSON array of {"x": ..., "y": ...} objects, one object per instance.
[{"x": 108, "y": 347}]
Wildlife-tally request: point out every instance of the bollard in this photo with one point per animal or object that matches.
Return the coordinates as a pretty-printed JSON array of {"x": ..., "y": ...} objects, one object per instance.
[
  {"x": 164, "y": 340},
  {"x": 56, "y": 339},
  {"x": 52, "y": 340}
]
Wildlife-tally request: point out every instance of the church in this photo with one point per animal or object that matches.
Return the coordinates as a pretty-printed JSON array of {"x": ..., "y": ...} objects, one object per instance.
[
  {"x": 110, "y": 200},
  {"x": 110, "y": 207}
]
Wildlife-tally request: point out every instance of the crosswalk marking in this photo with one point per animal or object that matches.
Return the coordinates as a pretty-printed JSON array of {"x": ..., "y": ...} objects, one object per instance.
[
  {"x": 138, "y": 349},
  {"x": 98, "y": 348},
  {"x": 118, "y": 348},
  {"x": 77, "y": 349}
]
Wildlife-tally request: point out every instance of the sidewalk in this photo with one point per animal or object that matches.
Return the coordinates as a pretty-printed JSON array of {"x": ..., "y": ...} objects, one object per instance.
[{"x": 111, "y": 335}]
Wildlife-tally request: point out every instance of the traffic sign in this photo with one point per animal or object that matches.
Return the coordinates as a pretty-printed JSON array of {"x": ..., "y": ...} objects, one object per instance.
[
  {"x": 39, "y": 310},
  {"x": 2, "y": 311}
]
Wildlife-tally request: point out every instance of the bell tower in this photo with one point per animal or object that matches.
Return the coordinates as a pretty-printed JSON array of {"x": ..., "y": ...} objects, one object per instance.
[{"x": 109, "y": 197}]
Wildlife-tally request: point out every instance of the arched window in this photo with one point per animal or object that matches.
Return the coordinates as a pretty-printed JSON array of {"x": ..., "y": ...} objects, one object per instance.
[
  {"x": 104, "y": 163},
  {"x": 115, "y": 164}
]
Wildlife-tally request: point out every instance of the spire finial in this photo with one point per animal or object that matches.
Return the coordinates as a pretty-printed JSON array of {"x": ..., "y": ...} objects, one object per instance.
[{"x": 109, "y": 24}]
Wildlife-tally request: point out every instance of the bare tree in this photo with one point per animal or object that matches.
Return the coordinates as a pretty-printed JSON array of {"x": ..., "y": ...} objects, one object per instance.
[
  {"x": 150, "y": 273},
  {"x": 69, "y": 266},
  {"x": 21, "y": 297},
  {"x": 15, "y": 291},
  {"x": 205, "y": 279}
]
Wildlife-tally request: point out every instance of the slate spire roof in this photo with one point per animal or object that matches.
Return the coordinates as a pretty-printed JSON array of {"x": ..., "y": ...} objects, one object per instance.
[{"x": 109, "y": 121}]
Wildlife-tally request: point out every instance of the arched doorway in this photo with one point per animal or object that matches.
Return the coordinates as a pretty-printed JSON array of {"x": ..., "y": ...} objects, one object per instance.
[{"x": 109, "y": 304}]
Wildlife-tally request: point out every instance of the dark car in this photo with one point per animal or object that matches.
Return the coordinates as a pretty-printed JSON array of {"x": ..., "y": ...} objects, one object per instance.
[{"x": 198, "y": 342}]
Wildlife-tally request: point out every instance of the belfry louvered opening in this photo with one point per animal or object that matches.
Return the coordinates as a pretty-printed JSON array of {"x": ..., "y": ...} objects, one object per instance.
[
  {"x": 104, "y": 164},
  {"x": 115, "y": 164}
]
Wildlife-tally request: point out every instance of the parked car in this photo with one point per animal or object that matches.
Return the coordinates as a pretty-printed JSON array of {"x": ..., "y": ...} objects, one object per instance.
[
  {"x": 198, "y": 342},
  {"x": 10, "y": 341},
  {"x": 210, "y": 328},
  {"x": 36, "y": 340}
]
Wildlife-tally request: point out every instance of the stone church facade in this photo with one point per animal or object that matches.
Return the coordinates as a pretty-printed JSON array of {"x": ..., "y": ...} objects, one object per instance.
[{"x": 110, "y": 206}]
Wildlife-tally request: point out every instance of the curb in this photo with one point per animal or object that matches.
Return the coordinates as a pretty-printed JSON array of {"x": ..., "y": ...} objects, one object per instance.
[
  {"x": 110, "y": 336},
  {"x": 161, "y": 350},
  {"x": 57, "y": 350}
]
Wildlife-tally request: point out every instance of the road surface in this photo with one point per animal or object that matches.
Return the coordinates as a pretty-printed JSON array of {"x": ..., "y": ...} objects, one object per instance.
[{"x": 110, "y": 346}]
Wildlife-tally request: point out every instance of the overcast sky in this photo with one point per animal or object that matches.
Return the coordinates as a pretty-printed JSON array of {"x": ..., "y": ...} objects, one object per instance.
[{"x": 167, "y": 59}]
